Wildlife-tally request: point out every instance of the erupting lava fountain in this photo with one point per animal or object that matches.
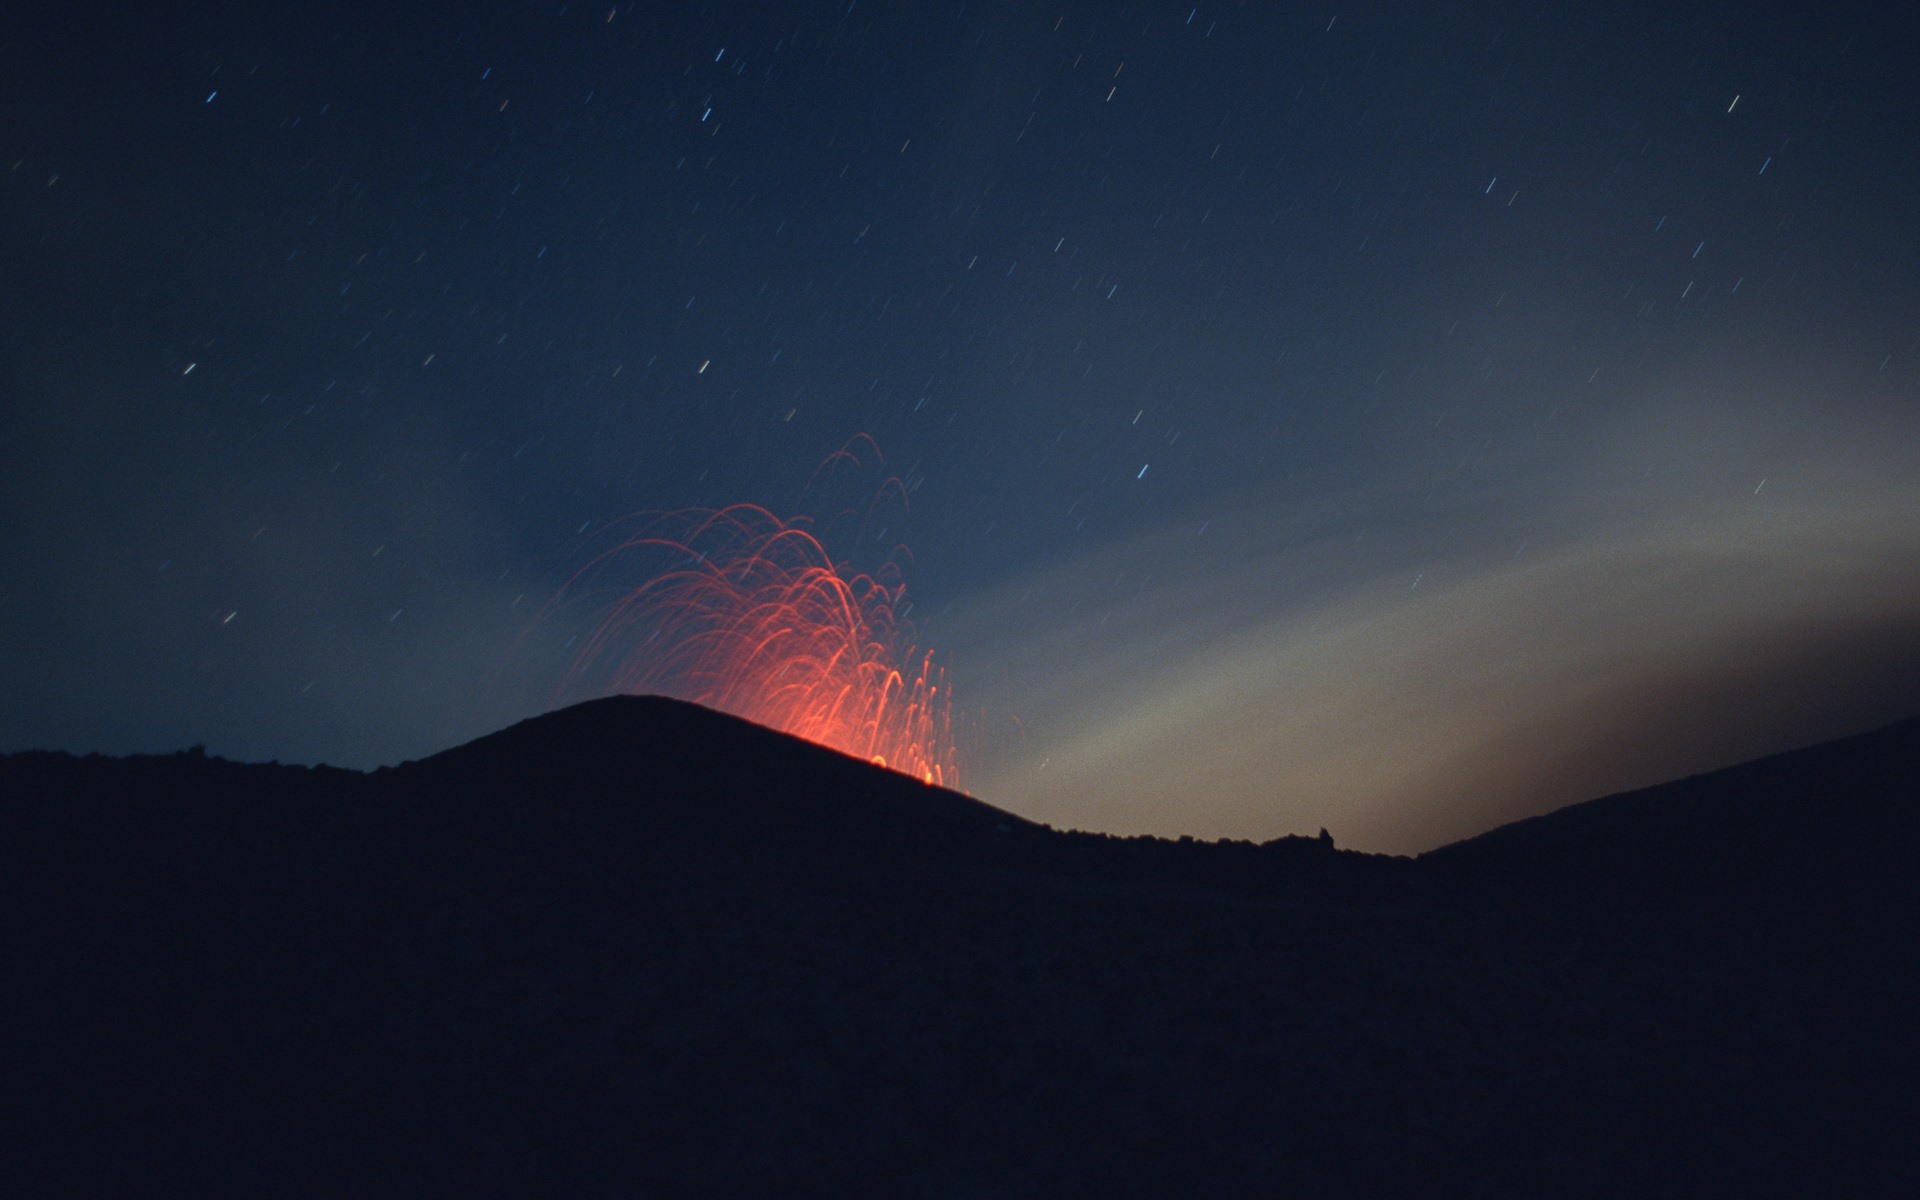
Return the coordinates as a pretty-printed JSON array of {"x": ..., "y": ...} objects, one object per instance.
[{"x": 750, "y": 615}]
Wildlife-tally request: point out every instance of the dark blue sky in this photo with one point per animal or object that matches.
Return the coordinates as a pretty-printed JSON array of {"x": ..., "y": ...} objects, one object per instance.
[{"x": 1204, "y": 338}]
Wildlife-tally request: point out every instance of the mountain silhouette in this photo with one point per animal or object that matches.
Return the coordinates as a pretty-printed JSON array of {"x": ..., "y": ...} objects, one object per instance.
[
  {"x": 637, "y": 947},
  {"x": 662, "y": 771},
  {"x": 1809, "y": 826}
]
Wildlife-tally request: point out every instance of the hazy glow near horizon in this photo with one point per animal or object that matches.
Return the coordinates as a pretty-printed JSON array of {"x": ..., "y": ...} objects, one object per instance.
[{"x": 1513, "y": 658}]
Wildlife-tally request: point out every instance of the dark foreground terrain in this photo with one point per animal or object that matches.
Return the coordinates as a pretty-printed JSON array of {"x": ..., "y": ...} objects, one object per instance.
[{"x": 639, "y": 949}]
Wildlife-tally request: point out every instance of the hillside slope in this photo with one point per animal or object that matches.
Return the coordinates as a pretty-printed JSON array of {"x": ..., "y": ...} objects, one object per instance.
[{"x": 639, "y": 947}]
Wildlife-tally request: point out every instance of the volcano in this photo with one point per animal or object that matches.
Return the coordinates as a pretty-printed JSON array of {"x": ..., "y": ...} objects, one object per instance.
[{"x": 639, "y": 947}]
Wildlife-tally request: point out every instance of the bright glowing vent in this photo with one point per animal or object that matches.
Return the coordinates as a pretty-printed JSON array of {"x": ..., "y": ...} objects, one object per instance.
[{"x": 747, "y": 613}]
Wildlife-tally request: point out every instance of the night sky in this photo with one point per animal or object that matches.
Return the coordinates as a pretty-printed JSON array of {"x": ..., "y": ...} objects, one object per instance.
[{"x": 1390, "y": 418}]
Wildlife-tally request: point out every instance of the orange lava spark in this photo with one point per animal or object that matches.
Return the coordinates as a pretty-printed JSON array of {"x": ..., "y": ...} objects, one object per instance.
[{"x": 752, "y": 616}]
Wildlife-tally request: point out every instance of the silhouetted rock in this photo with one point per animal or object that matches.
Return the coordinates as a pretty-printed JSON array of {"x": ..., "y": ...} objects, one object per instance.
[
  {"x": 635, "y": 947},
  {"x": 1834, "y": 821}
]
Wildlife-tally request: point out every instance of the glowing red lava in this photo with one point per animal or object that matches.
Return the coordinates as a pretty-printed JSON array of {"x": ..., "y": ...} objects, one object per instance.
[{"x": 750, "y": 615}]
